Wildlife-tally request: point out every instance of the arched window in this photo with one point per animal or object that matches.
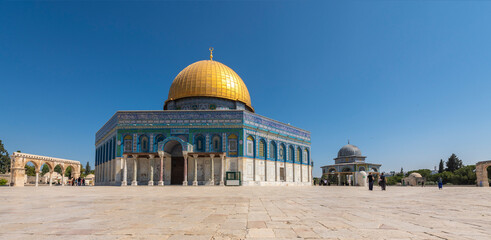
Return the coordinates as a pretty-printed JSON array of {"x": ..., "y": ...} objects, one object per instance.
[
  {"x": 272, "y": 150},
  {"x": 216, "y": 144},
  {"x": 306, "y": 156},
  {"x": 250, "y": 146},
  {"x": 298, "y": 155},
  {"x": 128, "y": 143},
  {"x": 262, "y": 148},
  {"x": 291, "y": 151},
  {"x": 282, "y": 152},
  {"x": 143, "y": 143},
  {"x": 158, "y": 139},
  {"x": 200, "y": 143},
  {"x": 232, "y": 144}
]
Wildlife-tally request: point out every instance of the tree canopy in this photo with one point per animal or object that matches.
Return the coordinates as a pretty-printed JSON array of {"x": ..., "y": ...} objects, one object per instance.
[
  {"x": 453, "y": 163},
  {"x": 441, "y": 167},
  {"x": 4, "y": 159},
  {"x": 87, "y": 169}
]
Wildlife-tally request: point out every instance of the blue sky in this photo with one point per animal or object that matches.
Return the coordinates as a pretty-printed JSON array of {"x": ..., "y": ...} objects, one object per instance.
[{"x": 406, "y": 81}]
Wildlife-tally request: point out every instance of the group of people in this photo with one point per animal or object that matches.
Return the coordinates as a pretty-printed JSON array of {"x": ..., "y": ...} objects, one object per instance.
[
  {"x": 382, "y": 182},
  {"x": 76, "y": 181}
]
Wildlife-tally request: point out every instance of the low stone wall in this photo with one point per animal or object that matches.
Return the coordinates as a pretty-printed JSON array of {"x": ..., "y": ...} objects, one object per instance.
[{"x": 6, "y": 177}]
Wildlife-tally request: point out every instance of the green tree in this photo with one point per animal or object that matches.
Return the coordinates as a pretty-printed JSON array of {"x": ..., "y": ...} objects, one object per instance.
[
  {"x": 4, "y": 159},
  {"x": 453, "y": 163},
  {"x": 402, "y": 171},
  {"x": 30, "y": 170},
  {"x": 441, "y": 168},
  {"x": 465, "y": 175},
  {"x": 58, "y": 169},
  {"x": 45, "y": 169},
  {"x": 87, "y": 169},
  {"x": 68, "y": 171}
]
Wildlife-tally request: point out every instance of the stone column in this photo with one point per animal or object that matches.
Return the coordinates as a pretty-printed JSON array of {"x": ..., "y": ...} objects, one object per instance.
[
  {"x": 195, "y": 182},
  {"x": 185, "y": 182},
  {"x": 62, "y": 176},
  {"x": 50, "y": 179},
  {"x": 124, "y": 181},
  {"x": 135, "y": 171},
  {"x": 339, "y": 179},
  {"x": 37, "y": 178},
  {"x": 212, "y": 180},
  {"x": 222, "y": 179},
  {"x": 150, "y": 182},
  {"x": 161, "y": 179}
]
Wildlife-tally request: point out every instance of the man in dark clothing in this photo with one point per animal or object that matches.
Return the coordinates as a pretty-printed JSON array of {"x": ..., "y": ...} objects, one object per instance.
[
  {"x": 370, "y": 182},
  {"x": 382, "y": 182}
]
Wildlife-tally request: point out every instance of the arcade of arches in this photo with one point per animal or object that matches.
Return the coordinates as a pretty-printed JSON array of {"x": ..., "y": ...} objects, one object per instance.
[{"x": 19, "y": 160}]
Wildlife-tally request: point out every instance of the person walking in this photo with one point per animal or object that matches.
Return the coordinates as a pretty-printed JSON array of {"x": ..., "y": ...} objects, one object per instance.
[
  {"x": 370, "y": 181},
  {"x": 382, "y": 181},
  {"x": 440, "y": 183}
]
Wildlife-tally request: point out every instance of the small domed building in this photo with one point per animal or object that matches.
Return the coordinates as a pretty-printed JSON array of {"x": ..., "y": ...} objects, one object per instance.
[
  {"x": 350, "y": 168},
  {"x": 414, "y": 179},
  {"x": 207, "y": 134}
]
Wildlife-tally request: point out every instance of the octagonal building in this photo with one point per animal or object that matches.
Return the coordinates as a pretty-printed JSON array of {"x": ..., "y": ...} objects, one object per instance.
[{"x": 206, "y": 134}]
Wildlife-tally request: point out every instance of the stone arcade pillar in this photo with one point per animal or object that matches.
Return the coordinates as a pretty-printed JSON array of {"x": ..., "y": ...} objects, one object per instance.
[
  {"x": 150, "y": 182},
  {"x": 63, "y": 176},
  {"x": 185, "y": 182},
  {"x": 124, "y": 181},
  {"x": 212, "y": 180},
  {"x": 222, "y": 168},
  {"x": 339, "y": 179},
  {"x": 161, "y": 179},
  {"x": 50, "y": 178},
  {"x": 135, "y": 171},
  {"x": 37, "y": 178},
  {"x": 195, "y": 182}
]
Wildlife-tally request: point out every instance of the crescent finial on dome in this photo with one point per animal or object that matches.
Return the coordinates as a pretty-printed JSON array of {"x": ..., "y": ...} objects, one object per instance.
[{"x": 211, "y": 53}]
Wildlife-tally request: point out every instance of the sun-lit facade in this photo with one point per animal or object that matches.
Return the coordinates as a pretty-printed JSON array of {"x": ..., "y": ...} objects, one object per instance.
[{"x": 206, "y": 134}]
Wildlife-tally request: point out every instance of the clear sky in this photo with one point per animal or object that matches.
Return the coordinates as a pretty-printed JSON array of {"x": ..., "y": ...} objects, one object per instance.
[{"x": 406, "y": 81}]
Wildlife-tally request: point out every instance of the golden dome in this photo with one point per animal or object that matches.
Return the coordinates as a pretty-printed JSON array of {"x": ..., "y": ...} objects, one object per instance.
[{"x": 209, "y": 78}]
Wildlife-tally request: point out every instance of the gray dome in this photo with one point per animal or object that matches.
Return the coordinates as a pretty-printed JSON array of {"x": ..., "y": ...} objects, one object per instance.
[{"x": 349, "y": 150}]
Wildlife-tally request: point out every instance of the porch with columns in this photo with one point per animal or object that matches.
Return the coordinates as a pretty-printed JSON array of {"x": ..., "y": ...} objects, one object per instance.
[{"x": 199, "y": 168}]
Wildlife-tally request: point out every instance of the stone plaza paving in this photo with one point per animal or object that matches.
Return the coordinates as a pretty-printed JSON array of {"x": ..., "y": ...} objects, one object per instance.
[{"x": 176, "y": 212}]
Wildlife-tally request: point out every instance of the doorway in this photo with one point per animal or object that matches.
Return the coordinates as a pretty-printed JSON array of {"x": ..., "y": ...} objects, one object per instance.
[
  {"x": 282, "y": 174},
  {"x": 177, "y": 170}
]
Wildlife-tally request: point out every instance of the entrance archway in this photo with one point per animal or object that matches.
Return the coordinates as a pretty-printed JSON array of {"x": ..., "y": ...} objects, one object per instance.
[
  {"x": 174, "y": 148},
  {"x": 483, "y": 170}
]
